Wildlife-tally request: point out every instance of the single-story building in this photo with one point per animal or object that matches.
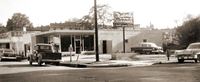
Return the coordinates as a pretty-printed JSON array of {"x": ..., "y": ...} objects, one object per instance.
[{"x": 81, "y": 40}]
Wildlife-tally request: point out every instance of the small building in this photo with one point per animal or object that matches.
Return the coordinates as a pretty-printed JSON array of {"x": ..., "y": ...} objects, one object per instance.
[
  {"x": 81, "y": 40},
  {"x": 14, "y": 40}
]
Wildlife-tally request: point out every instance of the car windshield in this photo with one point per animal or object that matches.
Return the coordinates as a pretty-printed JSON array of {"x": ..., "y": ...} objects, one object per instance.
[
  {"x": 44, "y": 47},
  {"x": 194, "y": 46}
]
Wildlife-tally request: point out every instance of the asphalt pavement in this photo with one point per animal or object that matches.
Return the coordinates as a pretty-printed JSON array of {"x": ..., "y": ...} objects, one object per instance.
[
  {"x": 171, "y": 72},
  {"x": 106, "y": 60}
]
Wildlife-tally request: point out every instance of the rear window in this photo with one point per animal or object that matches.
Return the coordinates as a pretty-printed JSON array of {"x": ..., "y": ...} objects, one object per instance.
[
  {"x": 45, "y": 47},
  {"x": 194, "y": 46},
  {"x": 148, "y": 45}
]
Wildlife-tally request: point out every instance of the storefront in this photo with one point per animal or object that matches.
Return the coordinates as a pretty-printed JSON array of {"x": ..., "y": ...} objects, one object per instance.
[{"x": 81, "y": 40}]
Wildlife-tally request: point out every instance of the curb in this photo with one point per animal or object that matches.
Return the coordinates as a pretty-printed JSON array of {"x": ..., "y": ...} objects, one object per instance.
[
  {"x": 94, "y": 65},
  {"x": 74, "y": 65},
  {"x": 109, "y": 65}
]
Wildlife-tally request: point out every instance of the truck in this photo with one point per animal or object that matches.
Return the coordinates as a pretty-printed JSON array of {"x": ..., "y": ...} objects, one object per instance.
[
  {"x": 44, "y": 53},
  {"x": 192, "y": 52},
  {"x": 147, "y": 48}
]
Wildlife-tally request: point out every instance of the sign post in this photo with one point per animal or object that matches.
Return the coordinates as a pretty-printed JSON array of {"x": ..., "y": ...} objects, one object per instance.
[{"x": 123, "y": 20}]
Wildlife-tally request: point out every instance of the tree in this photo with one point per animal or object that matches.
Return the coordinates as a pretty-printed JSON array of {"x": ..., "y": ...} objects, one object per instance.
[
  {"x": 189, "y": 32},
  {"x": 103, "y": 15},
  {"x": 2, "y": 28},
  {"x": 18, "y": 22}
]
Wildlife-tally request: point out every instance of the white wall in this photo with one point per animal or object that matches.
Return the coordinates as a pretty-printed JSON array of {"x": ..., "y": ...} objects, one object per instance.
[{"x": 117, "y": 38}]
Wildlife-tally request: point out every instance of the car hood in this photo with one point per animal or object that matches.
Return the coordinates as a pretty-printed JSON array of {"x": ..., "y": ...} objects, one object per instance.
[{"x": 187, "y": 51}]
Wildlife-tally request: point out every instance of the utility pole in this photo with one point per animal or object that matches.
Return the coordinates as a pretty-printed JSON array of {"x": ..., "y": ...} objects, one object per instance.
[
  {"x": 96, "y": 31},
  {"x": 123, "y": 39}
]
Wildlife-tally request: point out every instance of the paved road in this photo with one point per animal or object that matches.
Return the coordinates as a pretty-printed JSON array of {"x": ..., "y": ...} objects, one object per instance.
[
  {"x": 10, "y": 67},
  {"x": 173, "y": 72}
]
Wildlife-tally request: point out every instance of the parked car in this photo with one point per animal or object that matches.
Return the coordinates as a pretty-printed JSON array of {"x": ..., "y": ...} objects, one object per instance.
[
  {"x": 44, "y": 53},
  {"x": 192, "y": 52},
  {"x": 147, "y": 48},
  {"x": 9, "y": 54}
]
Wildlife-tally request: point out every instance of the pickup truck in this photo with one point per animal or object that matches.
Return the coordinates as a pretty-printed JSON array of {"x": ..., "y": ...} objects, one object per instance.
[
  {"x": 192, "y": 52},
  {"x": 147, "y": 48},
  {"x": 44, "y": 53}
]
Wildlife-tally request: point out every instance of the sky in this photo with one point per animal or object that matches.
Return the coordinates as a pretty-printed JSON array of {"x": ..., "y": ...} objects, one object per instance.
[{"x": 160, "y": 13}]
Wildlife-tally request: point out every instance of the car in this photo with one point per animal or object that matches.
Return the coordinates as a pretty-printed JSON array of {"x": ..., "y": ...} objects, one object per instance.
[
  {"x": 45, "y": 53},
  {"x": 9, "y": 54},
  {"x": 147, "y": 48},
  {"x": 192, "y": 52}
]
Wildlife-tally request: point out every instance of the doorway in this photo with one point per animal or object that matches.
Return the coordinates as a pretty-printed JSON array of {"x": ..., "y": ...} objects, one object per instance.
[
  {"x": 104, "y": 46},
  {"x": 78, "y": 46}
]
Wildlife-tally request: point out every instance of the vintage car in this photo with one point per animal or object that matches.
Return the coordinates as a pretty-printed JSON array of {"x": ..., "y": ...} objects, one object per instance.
[
  {"x": 147, "y": 48},
  {"x": 192, "y": 52},
  {"x": 44, "y": 53},
  {"x": 9, "y": 54}
]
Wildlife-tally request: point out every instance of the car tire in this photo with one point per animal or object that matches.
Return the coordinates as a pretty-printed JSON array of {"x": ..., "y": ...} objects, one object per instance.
[
  {"x": 30, "y": 60},
  {"x": 40, "y": 60},
  {"x": 195, "y": 60},
  {"x": 198, "y": 57}
]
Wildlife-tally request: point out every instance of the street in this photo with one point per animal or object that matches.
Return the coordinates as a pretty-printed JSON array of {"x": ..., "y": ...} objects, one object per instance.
[{"x": 170, "y": 72}]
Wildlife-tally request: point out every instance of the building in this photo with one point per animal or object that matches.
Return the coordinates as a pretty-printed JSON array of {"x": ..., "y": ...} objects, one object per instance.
[
  {"x": 14, "y": 40},
  {"x": 81, "y": 40},
  {"x": 71, "y": 26}
]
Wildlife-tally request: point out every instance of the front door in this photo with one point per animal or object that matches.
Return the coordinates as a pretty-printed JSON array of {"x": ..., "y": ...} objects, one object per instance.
[
  {"x": 78, "y": 46},
  {"x": 104, "y": 46}
]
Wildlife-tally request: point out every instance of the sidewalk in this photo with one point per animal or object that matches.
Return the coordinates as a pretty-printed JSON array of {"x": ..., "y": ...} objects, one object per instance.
[{"x": 90, "y": 61}]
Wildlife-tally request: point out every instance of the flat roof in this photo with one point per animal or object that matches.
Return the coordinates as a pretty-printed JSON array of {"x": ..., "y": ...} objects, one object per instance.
[{"x": 67, "y": 32}]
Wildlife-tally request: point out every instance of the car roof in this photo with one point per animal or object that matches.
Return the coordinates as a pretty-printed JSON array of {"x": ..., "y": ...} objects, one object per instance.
[
  {"x": 147, "y": 43},
  {"x": 43, "y": 44},
  {"x": 196, "y": 43}
]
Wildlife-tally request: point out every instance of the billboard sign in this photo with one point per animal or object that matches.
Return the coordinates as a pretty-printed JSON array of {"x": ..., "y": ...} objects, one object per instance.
[{"x": 123, "y": 19}]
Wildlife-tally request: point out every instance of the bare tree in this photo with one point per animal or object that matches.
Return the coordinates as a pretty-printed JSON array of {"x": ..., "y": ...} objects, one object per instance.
[{"x": 103, "y": 15}]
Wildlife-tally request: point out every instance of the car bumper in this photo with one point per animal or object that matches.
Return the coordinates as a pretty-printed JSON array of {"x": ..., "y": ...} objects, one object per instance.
[
  {"x": 186, "y": 57},
  {"x": 49, "y": 60},
  {"x": 14, "y": 58}
]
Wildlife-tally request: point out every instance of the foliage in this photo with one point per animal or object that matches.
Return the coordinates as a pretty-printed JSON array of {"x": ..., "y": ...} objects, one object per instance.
[
  {"x": 103, "y": 15},
  {"x": 17, "y": 22},
  {"x": 2, "y": 28},
  {"x": 189, "y": 32}
]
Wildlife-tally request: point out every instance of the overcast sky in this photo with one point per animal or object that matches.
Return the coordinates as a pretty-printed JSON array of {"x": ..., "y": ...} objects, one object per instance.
[{"x": 161, "y": 13}]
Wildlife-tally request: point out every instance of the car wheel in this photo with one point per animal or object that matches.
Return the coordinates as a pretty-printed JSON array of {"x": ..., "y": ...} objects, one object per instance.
[
  {"x": 0, "y": 59},
  {"x": 180, "y": 60},
  {"x": 30, "y": 60},
  {"x": 195, "y": 61},
  {"x": 40, "y": 60},
  {"x": 198, "y": 57}
]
